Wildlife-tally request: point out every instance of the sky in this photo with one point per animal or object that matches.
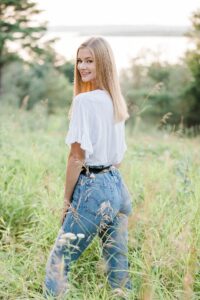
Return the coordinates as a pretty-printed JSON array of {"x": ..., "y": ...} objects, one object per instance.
[
  {"x": 118, "y": 12},
  {"x": 134, "y": 12}
]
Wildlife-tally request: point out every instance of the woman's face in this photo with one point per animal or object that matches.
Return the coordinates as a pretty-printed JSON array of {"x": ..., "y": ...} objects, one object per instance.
[{"x": 86, "y": 65}]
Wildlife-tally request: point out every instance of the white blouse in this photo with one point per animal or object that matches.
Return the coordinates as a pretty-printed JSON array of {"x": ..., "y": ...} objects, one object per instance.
[{"x": 92, "y": 125}]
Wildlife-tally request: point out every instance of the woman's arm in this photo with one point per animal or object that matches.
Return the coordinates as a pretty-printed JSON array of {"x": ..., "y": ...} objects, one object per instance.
[{"x": 74, "y": 165}]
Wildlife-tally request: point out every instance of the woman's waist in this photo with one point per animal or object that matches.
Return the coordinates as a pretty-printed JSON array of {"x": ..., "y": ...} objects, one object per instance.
[{"x": 95, "y": 169}]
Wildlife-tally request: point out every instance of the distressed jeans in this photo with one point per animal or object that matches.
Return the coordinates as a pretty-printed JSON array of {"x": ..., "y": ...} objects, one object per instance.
[{"x": 100, "y": 206}]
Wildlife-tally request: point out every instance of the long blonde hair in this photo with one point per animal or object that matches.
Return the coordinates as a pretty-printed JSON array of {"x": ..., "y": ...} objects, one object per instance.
[{"x": 106, "y": 75}]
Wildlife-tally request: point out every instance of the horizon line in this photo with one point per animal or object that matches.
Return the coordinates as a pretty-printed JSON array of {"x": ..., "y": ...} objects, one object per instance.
[{"x": 126, "y": 30}]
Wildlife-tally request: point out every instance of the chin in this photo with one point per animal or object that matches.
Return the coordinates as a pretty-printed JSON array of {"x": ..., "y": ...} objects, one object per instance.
[{"x": 86, "y": 80}]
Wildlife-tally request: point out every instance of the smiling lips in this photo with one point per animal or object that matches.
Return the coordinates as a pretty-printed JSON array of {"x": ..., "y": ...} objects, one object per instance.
[{"x": 84, "y": 74}]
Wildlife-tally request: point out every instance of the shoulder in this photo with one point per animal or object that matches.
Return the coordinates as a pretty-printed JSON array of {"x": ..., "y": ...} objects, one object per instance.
[
  {"x": 92, "y": 101},
  {"x": 91, "y": 95},
  {"x": 84, "y": 96},
  {"x": 82, "y": 104},
  {"x": 82, "y": 100}
]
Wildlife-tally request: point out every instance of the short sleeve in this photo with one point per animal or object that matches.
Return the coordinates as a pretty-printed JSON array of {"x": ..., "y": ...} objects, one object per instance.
[{"x": 79, "y": 126}]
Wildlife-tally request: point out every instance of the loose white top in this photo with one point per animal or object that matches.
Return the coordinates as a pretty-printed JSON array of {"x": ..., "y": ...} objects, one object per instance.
[{"x": 92, "y": 125}]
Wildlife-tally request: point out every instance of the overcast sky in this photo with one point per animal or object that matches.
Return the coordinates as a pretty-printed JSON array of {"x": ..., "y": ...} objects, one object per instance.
[
  {"x": 89, "y": 12},
  {"x": 117, "y": 12}
]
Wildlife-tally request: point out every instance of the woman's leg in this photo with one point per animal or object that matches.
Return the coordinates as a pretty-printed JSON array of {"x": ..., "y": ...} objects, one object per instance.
[
  {"x": 77, "y": 232},
  {"x": 115, "y": 250},
  {"x": 92, "y": 209}
]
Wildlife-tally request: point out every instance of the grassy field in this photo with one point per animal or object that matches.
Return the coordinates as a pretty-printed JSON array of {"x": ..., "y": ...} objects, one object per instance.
[{"x": 162, "y": 171}]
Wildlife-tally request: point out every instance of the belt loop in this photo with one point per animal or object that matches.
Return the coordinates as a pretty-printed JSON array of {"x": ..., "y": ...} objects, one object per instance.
[
  {"x": 111, "y": 169},
  {"x": 87, "y": 170}
]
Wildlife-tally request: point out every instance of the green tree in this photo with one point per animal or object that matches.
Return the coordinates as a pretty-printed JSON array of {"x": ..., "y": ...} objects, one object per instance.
[
  {"x": 155, "y": 90},
  {"x": 17, "y": 25},
  {"x": 68, "y": 70},
  {"x": 26, "y": 85},
  {"x": 192, "y": 92}
]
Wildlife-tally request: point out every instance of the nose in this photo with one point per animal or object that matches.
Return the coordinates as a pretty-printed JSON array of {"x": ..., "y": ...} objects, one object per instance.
[{"x": 82, "y": 65}]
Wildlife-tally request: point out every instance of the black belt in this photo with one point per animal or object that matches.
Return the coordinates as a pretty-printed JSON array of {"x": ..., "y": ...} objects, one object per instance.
[{"x": 94, "y": 169}]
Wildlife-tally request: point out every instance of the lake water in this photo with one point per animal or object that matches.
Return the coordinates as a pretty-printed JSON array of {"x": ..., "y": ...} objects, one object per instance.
[{"x": 169, "y": 49}]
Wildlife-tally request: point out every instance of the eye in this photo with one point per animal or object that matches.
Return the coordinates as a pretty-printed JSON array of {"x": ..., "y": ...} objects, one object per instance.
[{"x": 88, "y": 61}]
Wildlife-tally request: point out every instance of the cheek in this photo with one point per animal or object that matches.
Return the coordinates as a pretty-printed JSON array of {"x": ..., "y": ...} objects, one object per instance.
[{"x": 94, "y": 70}]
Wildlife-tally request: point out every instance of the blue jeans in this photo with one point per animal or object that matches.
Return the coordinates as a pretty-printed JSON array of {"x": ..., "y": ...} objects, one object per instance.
[{"x": 100, "y": 205}]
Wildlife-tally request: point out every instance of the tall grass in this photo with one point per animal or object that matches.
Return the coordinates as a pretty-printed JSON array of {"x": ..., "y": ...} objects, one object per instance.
[{"x": 162, "y": 171}]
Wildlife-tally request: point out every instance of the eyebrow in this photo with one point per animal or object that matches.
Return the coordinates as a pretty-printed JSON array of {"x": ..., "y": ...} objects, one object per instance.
[{"x": 85, "y": 57}]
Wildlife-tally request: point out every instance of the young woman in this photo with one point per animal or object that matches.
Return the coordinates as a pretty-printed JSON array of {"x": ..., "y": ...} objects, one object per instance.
[{"x": 96, "y": 199}]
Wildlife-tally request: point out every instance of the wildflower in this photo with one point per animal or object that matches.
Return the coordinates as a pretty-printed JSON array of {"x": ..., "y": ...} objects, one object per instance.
[
  {"x": 69, "y": 235},
  {"x": 62, "y": 241},
  {"x": 80, "y": 235}
]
